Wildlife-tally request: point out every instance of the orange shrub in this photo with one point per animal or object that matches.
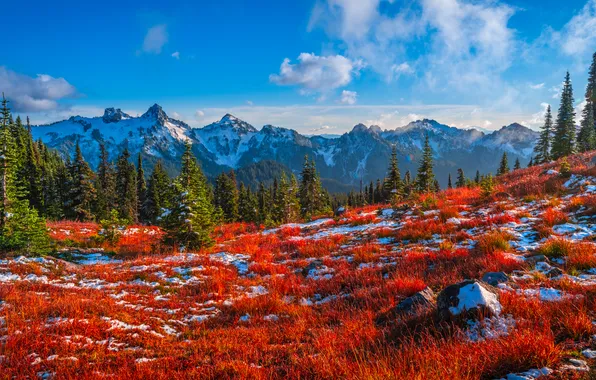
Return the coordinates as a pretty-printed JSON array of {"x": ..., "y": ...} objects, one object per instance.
[{"x": 553, "y": 217}]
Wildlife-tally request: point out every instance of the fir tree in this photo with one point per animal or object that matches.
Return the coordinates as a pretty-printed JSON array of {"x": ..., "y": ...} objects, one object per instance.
[
  {"x": 247, "y": 205},
  {"x": 393, "y": 184},
  {"x": 159, "y": 193},
  {"x": 564, "y": 137},
  {"x": 126, "y": 188},
  {"x": 226, "y": 196},
  {"x": 542, "y": 148},
  {"x": 141, "y": 192},
  {"x": 461, "y": 178},
  {"x": 531, "y": 162},
  {"x": 425, "y": 178},
  {"x": 477, "y": 177},
  {"x": 312, "y": 198},
  {"x": 517, "y": 164},
  {"x": 8, "y": 162},
  {"x": 449, "y": 185},
  {"x": 83, "y": 191},
  {"x": 586, "y": 138},
  {"x": 504, "y": 165},
  {"x": 105, "y": 185},
  {"x": 189, "y": 223}
]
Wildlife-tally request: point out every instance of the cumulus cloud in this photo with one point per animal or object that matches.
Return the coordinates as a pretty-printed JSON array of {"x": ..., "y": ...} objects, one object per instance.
[
  {"x": 323, "y": 128},
  {"x": 199, "y": 114},
  {"x": 348, "y": 97},
  {"x": 176, "y": 54},
  {"x": 577, "y": 36},
  {"x": 537, "y": 86},
  {"x": 537, "y": 119},
  {"x": 155, "y": 39},
  {"x": 402, "y": 69},
  {"x": 313, "y": 73},
  {"x": 34, "y": 94}
]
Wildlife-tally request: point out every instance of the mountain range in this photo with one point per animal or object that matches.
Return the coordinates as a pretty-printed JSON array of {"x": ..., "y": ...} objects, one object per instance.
[{"x": 343, "y": 161}]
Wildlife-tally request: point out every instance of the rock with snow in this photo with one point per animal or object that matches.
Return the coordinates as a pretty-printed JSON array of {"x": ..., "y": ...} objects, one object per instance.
[{"x": 469, "y": 299}]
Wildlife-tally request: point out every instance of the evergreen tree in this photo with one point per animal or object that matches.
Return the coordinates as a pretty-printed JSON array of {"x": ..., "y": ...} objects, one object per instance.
[
  {"x": 141, "y": 192},
  {"x": 394, "y": 187},
  {"x": 247, "y": 205},
  {"x": 159, "y": 194},
  {"x": 461, "y": 178},
  {"x": 378, "y": 192},
  {"x": 564, "y": 136},
  {"x": 477, "y": 177},
  {"x": 425, "y": 177},
  {"x": 531, "y": 162},
  {"x": 126, "y": 188},
  {"x": 8, "y": 162},
  {"x": 105, "y": 185},
  {"x": 504, "y": 165},
  {"x": 226, "y": 196},
  {"x": 449, "y": 185},
  {"x": 83, "y": 190},
  {"x": 542, "y": 148},
  {"x": 586, "y": 138},
  {"x": 189, "y": 224},
  {"x": 517, "y": 164},
  {"x": 312, "y": 198}
]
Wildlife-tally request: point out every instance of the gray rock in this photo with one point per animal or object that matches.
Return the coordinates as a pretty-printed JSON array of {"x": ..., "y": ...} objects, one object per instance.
[
  {"x": 468, "y": 299},
  {"x": 421, "y": 301},
  {"x": 495, "y": 278},
  {"x": 340, "y": 211},
  {"x": 536, "y": 258}
]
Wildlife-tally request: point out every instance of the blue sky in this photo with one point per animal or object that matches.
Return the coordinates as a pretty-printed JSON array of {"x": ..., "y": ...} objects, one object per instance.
[{"x": 318, "y": 66}]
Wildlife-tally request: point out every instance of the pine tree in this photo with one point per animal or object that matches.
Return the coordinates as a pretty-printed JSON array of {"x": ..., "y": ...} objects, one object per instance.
[
  {"x": 504, "y": 165},
  {"x": 126, "y": 188},
  {"x": 425, "y": 178},
  {"x": 226, "y": 196},
  {"x": 542, "y": 148},
  {"x": 449, "y": 185},
  {"x": 564, "y": 136},
  {"x": 312, "y": 197},
  {"x": 586, "y": 138},
  {"x": 83, "y": 191},
  {"x": 477, "y": 177},
  {"x": 517, "y": 164},
  {"x": 394, "y": 187},
  {"x": 141, "y": 192},
  {"x": 531, "y": 162},
  {"x": 159, "y": 194},
  {"x": 189, "y": 223},
  {"x": 461, "y": 178},
  {"x": 105, "y": 185},
  {"x": 247, "y": 205},
  {"x": 8, "y": 162}
]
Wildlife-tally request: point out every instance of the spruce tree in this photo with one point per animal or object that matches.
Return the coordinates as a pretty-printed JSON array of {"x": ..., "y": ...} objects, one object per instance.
[
  {"x": 312, "y": 197},
  {"x": 517, "y": 164},
  {"x": 586, "y": 138},
  {"x": 449, "y": 185},
  {"x": 105, "y": 185},
  {"x": 83, "y": 191},
  {"x": 8, "y": 163},
  {"x": 564, "y": 136},
  {"x": 504, "y": 165},
  {"x": 247, "y": 205},
  {"x": 461, "y": 178},
  {"x": 394, "y": 187},
  {"x": 189, "y": 223},
  {"x": 141, "y": 192},
  {"x": 159, "y": 194},
  {"x": 425, "y": 177},
  {"x": 542, "y": 148},
  {"x": 126, "y": 188},
  {"x": 226, "y": 196}
]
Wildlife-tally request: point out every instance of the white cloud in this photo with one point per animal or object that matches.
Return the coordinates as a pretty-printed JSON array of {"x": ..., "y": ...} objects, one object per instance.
[
  {"x": 34, "y": 94},
  {"x": 348, "y": 97},
  {"x": 249, "y": 103},
  {"x": 537, "y": 86},
  {"x": 155, "y": 39},
  {"x": 537, "y": 119},
  {"x": 317, "y": 73},
  {"x": 176, "y": 54},
  {"x": 577, "y": 36},
  {"x": 199, "y": 114},
  {"x": 323, "y": 128},
  {"x": 402, "y": 69}
]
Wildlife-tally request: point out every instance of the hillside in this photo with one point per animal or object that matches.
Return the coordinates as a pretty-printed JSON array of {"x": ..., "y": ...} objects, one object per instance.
[
  {"x": 376, "y": 292},
  {"x": 231, "y": 143}
]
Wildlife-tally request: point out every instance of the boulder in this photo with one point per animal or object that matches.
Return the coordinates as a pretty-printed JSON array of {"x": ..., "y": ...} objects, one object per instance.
[
  {"x": 468, "y": 299},
  {"x": 536, "y": 259},
  {"x": 495, "y": 278},
  {"x": 421, "y": 301}
]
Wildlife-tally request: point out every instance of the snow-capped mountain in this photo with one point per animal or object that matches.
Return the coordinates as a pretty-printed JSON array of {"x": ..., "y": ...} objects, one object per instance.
[{"x": 230, "y": 143}]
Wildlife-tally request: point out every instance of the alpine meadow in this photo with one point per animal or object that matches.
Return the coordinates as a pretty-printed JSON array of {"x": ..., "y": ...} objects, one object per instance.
[{"x": 323, "y": 189}]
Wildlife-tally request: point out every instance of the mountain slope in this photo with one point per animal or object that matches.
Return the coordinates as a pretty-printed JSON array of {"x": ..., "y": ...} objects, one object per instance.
[{"x": 230, "y": 143}]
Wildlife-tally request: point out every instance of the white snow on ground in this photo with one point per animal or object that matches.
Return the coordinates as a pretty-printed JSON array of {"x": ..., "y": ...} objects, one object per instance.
[
  {"x": 529, "y": 375},
  {"x": 323, "y": 272},
  {"x": 545, "y": 294},
  {"x": 238, "y": 260},
  {"x": 489, "y": 328},
  {"x": 472, "y": 296},
  {"x": 575, "y": 231},
  {"x": 93, "y": 259}
]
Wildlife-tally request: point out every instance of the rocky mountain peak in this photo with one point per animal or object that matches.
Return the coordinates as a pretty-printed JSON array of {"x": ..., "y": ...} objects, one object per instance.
[
  {"x": 155, "y": 112},
  {"x": 114, "y": 115}
]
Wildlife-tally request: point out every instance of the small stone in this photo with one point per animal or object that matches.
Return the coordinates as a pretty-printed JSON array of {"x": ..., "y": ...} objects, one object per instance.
[{"x": 469, "y": 299}]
